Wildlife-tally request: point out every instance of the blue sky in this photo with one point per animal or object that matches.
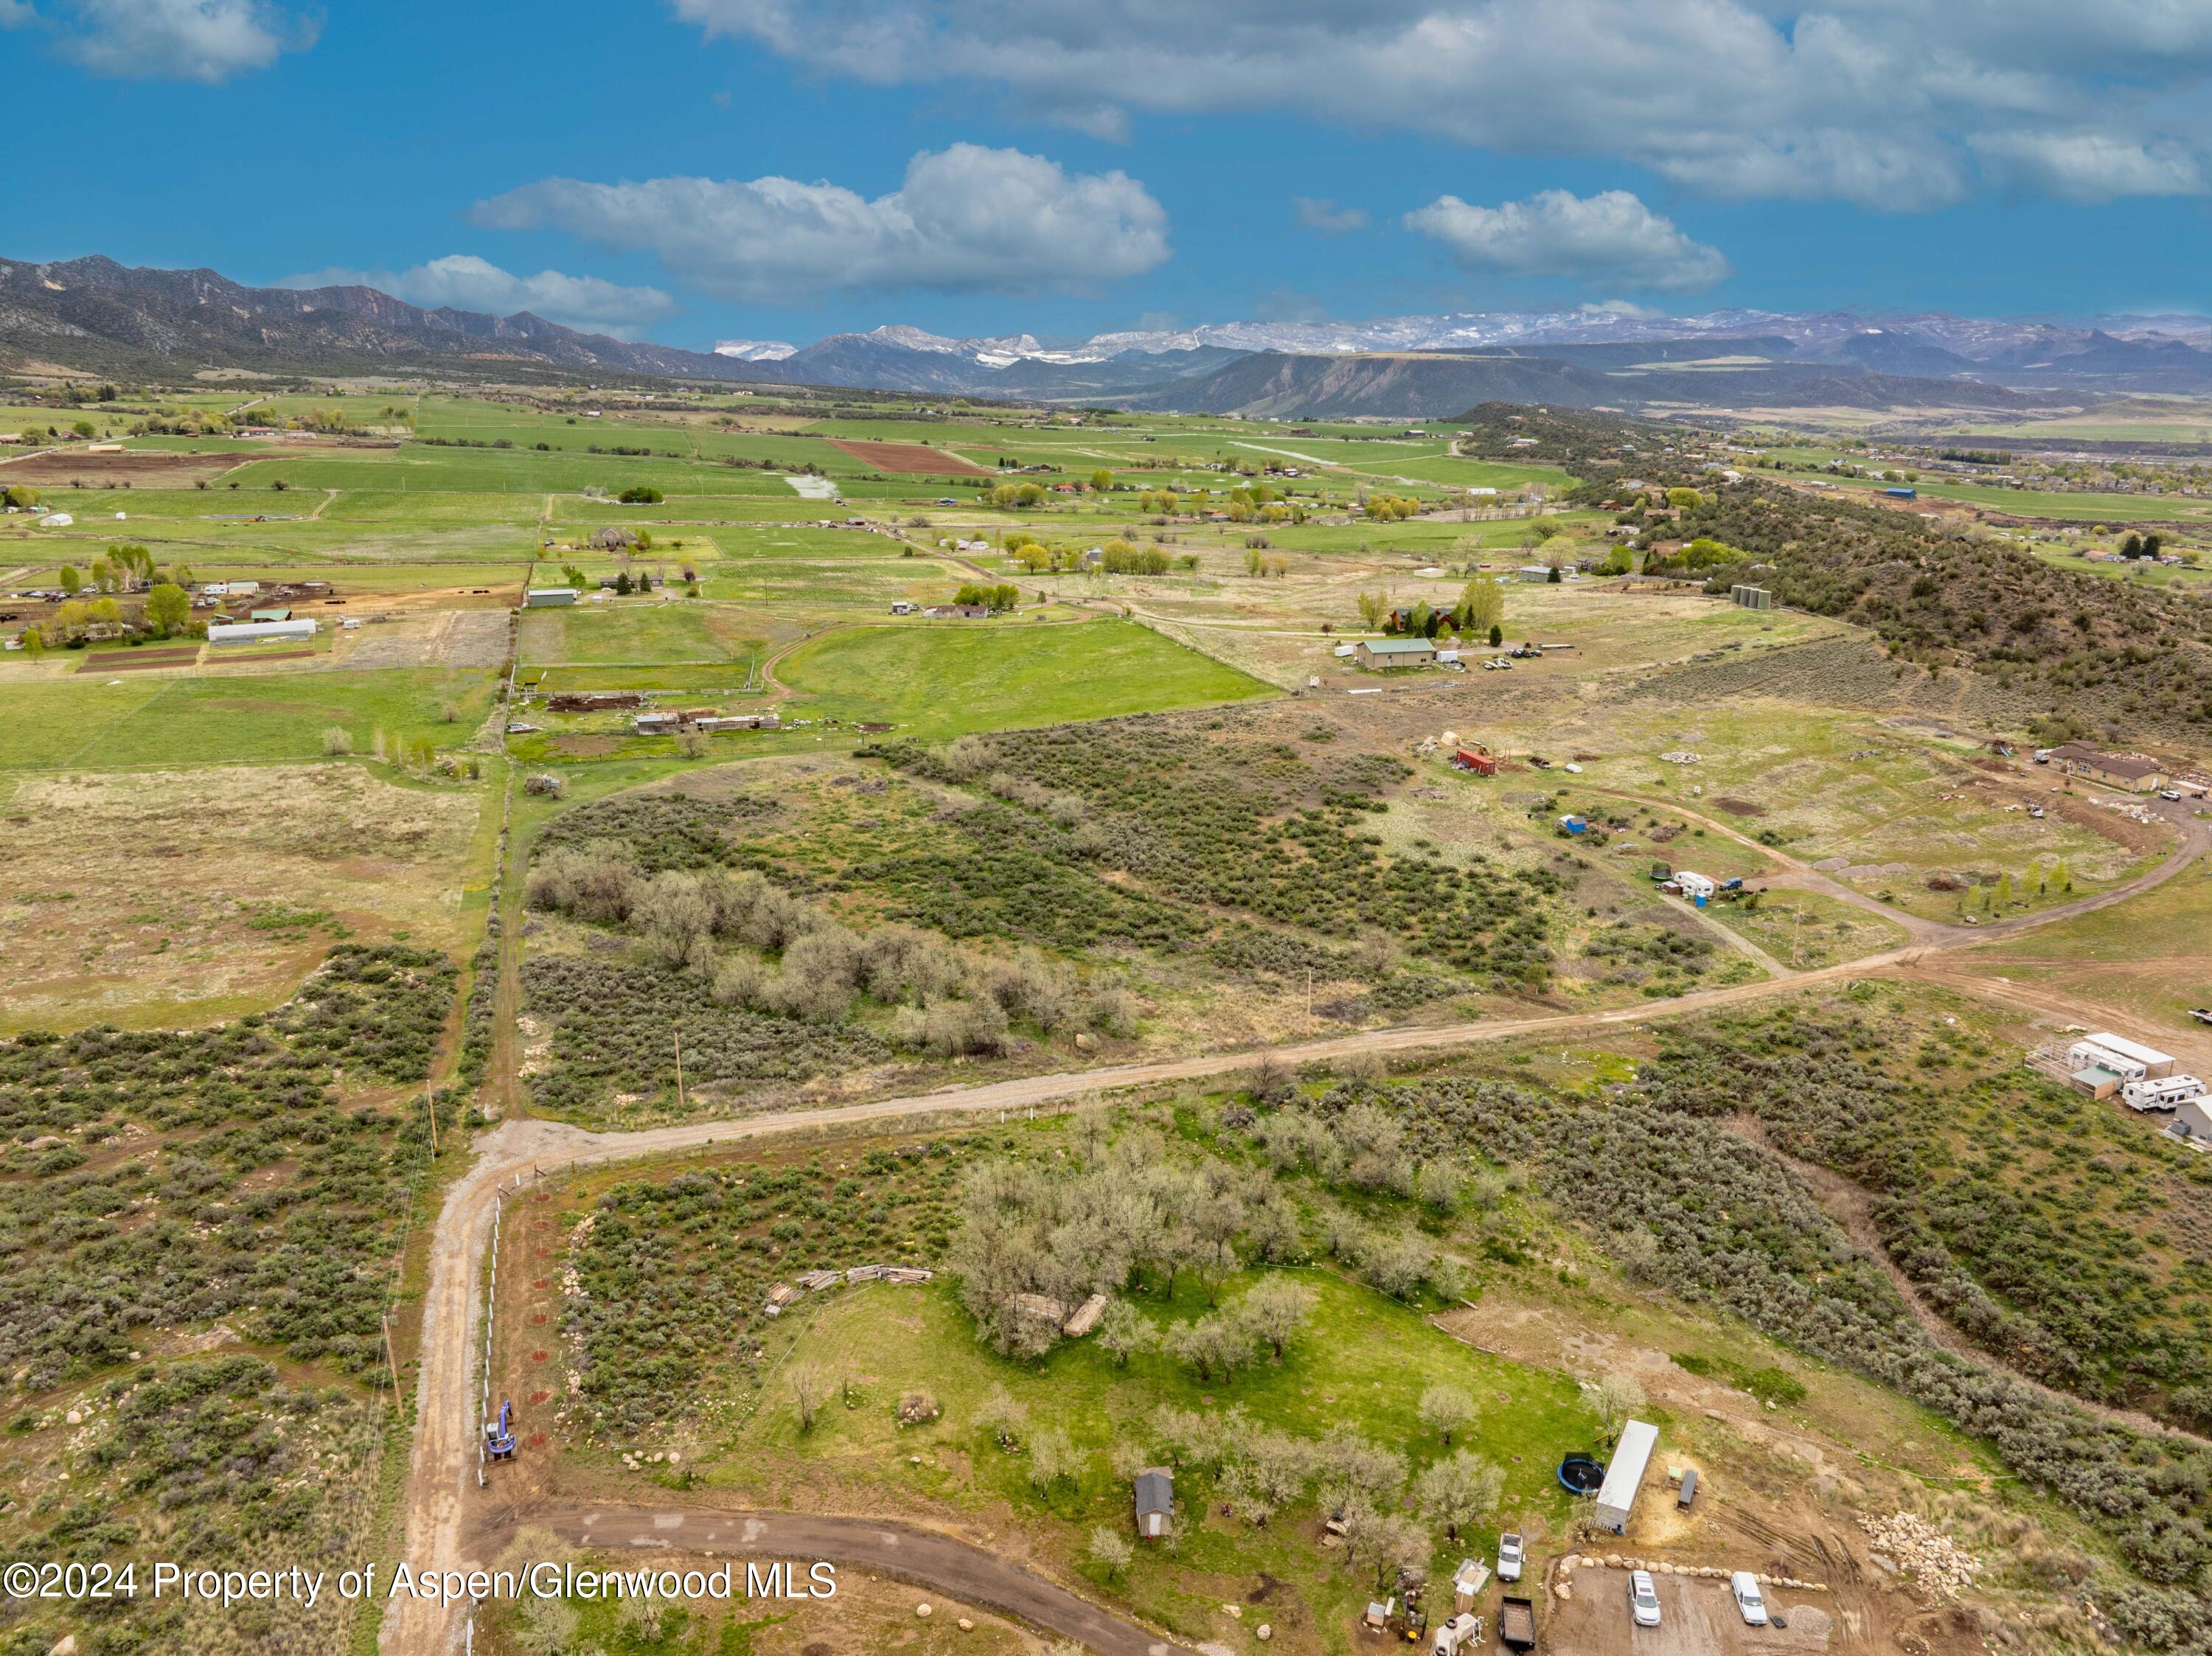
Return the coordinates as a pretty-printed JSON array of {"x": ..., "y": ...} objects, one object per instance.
[{"x": 691, "y": 170}]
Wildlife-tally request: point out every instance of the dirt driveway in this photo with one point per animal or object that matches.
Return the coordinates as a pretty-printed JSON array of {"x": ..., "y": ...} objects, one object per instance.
[
  {"x": 922, "y": 1556},
  {"x": 1696, "y": 1618}
]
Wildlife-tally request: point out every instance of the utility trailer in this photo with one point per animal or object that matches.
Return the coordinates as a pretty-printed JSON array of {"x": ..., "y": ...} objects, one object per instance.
[{"x": 1516, "y": 1623}]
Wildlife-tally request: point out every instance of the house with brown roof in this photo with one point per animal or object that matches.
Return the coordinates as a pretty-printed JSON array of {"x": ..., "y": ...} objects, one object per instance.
[{"x": 2130, "y": 772}]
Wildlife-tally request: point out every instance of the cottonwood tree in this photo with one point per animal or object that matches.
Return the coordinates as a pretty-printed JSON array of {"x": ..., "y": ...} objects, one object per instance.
[{"x": 167, "y": 609}]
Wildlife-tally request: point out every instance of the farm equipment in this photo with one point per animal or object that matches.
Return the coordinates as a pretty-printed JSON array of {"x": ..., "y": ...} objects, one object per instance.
[
  {"x": 499, "y": 1435},
  {"x": 1516, "y": 1623}
]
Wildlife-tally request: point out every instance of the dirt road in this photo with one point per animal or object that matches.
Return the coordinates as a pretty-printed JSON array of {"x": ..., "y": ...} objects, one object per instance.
[
  {"x": 957, "y": 1568},
  {"x": 440, "y": 1480}
]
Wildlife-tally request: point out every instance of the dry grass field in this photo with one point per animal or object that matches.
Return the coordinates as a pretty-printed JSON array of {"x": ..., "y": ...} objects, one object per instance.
[{"x": 161, "y": 898}]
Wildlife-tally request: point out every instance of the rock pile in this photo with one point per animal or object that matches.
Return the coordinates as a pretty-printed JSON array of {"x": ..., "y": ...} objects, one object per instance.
[
  {"x": 1918, "y": 1546},
  {"x": 1613, "y": 1561}
]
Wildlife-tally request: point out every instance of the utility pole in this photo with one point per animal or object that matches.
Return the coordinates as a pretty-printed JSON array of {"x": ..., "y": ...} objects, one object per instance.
[
  {"x": 430, "y": 1103},
  {"x": 679, "y": 1070},
  {"x": 390, "y": 1360}
]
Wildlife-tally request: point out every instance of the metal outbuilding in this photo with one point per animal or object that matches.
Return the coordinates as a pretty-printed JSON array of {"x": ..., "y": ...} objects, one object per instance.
[
  {"x": 261, "y": 632},
  {"x": 1624, "y": 1474}
]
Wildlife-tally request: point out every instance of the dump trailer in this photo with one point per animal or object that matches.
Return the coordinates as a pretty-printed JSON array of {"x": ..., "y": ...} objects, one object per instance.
[{"x": 1516, "y": 1623}]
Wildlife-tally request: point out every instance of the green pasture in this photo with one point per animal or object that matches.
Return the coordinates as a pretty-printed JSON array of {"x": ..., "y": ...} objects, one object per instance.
[
  {"x": 650, "y": 629},
  {"x": 151, "y": 720},
  {"x": 944, "y": 678}
]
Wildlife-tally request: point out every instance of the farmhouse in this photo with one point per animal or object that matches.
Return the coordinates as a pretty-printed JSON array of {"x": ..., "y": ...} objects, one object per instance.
[
  {"x": 1534, "y": 572},
  {"x": 2127, "y": 772},
  {"x": 260, "y": 631},
  {"x": 1388, "y": 654},
  {"x": 1155, "y": 1501}
]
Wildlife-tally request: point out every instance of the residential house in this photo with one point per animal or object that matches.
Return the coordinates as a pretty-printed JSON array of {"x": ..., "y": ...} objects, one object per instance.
[
  {"x": 2129, "y": 773},
  {"x": 1389, "y": 654}
]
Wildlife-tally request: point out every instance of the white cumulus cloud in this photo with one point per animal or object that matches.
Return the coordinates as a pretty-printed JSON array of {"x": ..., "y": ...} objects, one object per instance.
[
  {"x": 204, "y": 41},
  {"x": 965, "y": 218},
  {"x": 1891, "y": 103},
  {"x": 466, "y": 282},
  {"x": 2090, "y": 167},
  {"x": 1611, "y": 238}
]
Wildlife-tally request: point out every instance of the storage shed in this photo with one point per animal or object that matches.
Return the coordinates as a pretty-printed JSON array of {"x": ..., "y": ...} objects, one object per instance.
[
  {"x": 549, "y": 597},
  {"x": 1155, "y": 1501},
  {"x": 1624, "y": 1474}
]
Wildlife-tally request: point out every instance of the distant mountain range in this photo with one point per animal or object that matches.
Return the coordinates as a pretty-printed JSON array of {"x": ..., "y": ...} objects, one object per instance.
[{"x": 94, "y": 316}]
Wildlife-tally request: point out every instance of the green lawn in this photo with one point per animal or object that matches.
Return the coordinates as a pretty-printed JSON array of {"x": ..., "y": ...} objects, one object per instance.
[{"x": 944, "y": 678}]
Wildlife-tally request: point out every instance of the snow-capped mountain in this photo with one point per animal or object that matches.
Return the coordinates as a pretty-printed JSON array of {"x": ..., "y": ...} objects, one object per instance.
[{"x": 755, "y": 350}]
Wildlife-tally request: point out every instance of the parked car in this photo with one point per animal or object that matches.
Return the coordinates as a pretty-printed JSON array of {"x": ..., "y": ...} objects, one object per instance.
[
  {"x": 1509, "y": 1556},
  {"x": 1748, "y": 1602},
  {"x": 1643, "y": 1599}
]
